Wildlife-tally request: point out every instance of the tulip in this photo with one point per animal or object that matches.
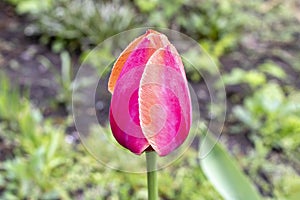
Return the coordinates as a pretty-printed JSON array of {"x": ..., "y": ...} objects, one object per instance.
[{"x": 151, "y": 106}]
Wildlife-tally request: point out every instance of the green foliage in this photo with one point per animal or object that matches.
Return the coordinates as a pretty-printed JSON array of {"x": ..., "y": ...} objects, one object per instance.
[
  {"x": 218, "y": 48},
  {"x": 180, "y": 181},
  {"x": 237, "y": 76},
  {"x": 32, "y": 6},
  {"x": 185, "y": 180},
  {"x": 146, "y": 6},
  {"x": 210, "y": 20},
  {"x": 10, "y": 103},
  {"x": 98, "y": 58},
  {"x": 255, "y": 78},
  {"x": 63, "y": 77},
  {"x": 273, "y": 119},
  {"x": 38, "y": 175},
  {"x": 272, "y": 69},
  {"x": 44, "y": 166},
  {"x": 224, "y": 173},
  {"x": 268, "y": 105},
  {"x": 216, "y": 25},
  {"x": 272, "y": 27},
  {"x": 287, "y": 187},
  {"x": 40, "y": 153},
  {"x": 81, "y": 23},
  {"x": 270, "y": 172}
]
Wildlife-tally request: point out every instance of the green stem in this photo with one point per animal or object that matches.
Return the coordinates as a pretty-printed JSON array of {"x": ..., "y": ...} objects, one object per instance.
[{"x": 152, "y": 175}]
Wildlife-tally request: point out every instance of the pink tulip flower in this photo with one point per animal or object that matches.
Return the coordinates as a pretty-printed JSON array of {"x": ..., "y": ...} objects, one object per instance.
[{"x": 151, "y": 106}]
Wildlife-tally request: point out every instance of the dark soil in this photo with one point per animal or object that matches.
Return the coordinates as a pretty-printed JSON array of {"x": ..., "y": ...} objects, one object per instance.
[{"x": 19, "y": 58}]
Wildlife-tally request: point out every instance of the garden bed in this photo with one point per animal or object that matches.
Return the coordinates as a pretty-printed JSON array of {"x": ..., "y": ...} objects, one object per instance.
[{"x": 24, "y": 59}]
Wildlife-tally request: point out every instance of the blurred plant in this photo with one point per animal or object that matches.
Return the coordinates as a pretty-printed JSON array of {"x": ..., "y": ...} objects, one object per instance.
[
  {"x": 272, "y": 26},
  {"x": 32, "y": 6},
  {"x": 255, "y": 78},
  {"x": 44, "y": 166},
  {"x": 10, "y": 103},
  {"x": 41, "y": 160},
  {"x": 80, "y": 23},
  {"x": 271, "y": 116},
  {"x": 178, "y": 180},
  {"x": 272, "y": 69},
  {"x": 268, "y": 105},
  {"x": 98, "y": 58},
  {"x": 272, "y": 32},
  {"x": 272, "y": 119},
  {"x": 38, "y": 156},
  {"x": 39, "y": 172},
  {"x": 216, "y": 25},
  {"x": 287, "y": 185},
  {"x": 270, "y": 172},
  {"x": 224, "y": 173},
  {"x": 183, "y": 180},
  {"x": 63, "y": 77},
  {"x": 209, "y": 20}
]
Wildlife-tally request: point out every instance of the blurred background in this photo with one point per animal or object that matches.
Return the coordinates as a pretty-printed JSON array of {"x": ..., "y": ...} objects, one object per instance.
[{"x": 255, "y": 44}]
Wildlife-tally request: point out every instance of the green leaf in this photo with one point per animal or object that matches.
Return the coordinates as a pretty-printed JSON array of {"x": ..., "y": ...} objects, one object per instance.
[
  {"x": 33, "y": 6},
  {"x": 146, "y": 6},
  {"x": 253, "y": 78},
  {"x": 66, "y": 69},
  {"x": 271, "y": 97},
  {"x": 224, "y": 173},
  {"x": 246, "y": 117},
  {"x": 273, "y": 69},
  {"x": 55, "y": 138}
]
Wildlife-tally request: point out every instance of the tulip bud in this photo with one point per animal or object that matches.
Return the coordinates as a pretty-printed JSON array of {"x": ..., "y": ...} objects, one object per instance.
[{"x": 151, "y": 105}]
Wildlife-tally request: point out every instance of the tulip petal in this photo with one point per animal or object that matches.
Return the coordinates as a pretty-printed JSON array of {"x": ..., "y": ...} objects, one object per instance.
[
  {"x": 134, "y": 144},
  {"x": 124, "y": 109},
  {"x": 156, "y": 40},
  {"x": 117, "y": 68},
  {"x": 164, "y": 103}
]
